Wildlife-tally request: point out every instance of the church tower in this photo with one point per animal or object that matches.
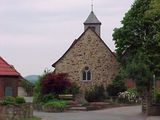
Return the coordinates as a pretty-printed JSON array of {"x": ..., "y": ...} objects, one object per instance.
[
  {"x": 88, "y": 61},
  {"x": 93, "y": 22}
]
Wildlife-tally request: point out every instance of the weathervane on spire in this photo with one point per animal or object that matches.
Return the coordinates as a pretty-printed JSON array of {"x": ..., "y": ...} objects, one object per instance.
[{"x": 92, "y": 5}]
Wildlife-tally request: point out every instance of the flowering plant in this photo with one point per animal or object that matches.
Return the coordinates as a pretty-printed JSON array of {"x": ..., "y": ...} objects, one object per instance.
[{"x": 127, "y": 97}]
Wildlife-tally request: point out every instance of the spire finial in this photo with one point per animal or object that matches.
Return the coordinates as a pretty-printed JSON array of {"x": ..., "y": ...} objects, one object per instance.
[{"x": 91, "y": 5}]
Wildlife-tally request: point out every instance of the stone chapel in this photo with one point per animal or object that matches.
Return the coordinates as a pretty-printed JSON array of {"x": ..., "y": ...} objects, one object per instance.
[{"x": 89, "y": 61}]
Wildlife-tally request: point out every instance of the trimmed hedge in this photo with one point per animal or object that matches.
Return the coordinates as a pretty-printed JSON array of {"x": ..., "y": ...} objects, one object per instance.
[{"x": 12, "y": 100}]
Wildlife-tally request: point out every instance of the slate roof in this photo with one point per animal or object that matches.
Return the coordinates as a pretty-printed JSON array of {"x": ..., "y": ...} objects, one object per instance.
[
  {"x": 6, "y": 69},
  {"x": 92, "y": 19}
]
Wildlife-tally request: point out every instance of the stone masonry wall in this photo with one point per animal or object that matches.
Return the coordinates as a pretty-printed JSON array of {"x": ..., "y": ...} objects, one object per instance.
[
  {"x": 16, "y": 112},
  {"x": 153, "y": 110},
  {"x": 89, "y": 50}
]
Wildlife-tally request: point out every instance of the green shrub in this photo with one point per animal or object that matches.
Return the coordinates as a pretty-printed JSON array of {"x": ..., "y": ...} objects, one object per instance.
[
  {"x": 74, "y": 89},
  {"x": 96, "y": 94},
  {"x": 37, "y": 98},
  {"x": 114, "y": 89},
  {"x": 132, "y": 90},
  {"x": 49, "y": 86},
  {"x": 20, "y": 100},
  {"x": 8, "y": 100},
  {"x": 156, "y": 95},
  {"x": 48, "y": 97},
  {"x": 37, "y": 95},
  {"x": 56, "y": 103},
  {"x": 42, "y": 99},
  {"x": 117, "y": 86},
  {"x": 28, "y": 86}
]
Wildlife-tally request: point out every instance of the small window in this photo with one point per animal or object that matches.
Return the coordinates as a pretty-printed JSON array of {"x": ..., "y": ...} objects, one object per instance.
[
  {"x": 86, "y": 73},
  {"x": 8, "y": 91}
]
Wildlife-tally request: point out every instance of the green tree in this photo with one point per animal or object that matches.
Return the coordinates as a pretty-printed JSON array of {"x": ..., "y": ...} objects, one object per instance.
[
  {"x": 138, "y": 42},
  {"x": 117, "y": 86},
  {"x": 37, "y": 95},
  {"x": 153, "y": 17}
]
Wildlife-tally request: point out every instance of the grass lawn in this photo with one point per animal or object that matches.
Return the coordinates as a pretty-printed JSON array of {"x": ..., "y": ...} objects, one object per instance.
[{"x": 32, "y": 118}]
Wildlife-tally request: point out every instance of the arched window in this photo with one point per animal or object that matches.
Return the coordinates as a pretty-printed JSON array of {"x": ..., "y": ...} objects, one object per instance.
[{"x": 86, "y": 73}]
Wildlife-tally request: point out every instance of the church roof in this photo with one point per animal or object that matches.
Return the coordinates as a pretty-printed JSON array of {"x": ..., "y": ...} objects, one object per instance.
[
  {"x": 92, "y": 19},
  {"x": 6, "y": 69},
  {"x": 76, "y": 40}
]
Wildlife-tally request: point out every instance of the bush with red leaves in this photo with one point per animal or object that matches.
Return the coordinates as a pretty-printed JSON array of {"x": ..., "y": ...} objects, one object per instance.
[{"x": 55, "y": 83}]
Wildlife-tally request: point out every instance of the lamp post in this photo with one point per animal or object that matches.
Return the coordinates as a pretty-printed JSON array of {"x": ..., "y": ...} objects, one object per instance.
[{"x": 154, "y": 86}]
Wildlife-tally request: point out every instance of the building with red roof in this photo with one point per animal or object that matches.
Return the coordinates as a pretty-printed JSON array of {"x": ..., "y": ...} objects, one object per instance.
[{"x": 9, "y": 79}]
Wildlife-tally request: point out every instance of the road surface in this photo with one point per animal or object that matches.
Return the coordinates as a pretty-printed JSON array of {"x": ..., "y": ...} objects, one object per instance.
[{"x": 121, "y": 113}]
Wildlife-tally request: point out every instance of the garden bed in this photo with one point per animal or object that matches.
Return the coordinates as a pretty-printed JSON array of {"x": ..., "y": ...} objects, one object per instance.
[{"x": 52, "y": 106}]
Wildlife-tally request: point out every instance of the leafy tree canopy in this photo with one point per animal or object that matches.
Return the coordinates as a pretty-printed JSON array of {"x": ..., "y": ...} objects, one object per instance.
[{"x": 138, "y": 41}]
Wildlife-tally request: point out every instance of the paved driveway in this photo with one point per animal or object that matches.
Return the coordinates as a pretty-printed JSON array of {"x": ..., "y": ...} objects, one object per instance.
[{"x": 121, "y": 113}]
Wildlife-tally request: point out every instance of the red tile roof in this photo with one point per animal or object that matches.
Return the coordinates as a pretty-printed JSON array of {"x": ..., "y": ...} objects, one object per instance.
[{"x": 6, "y": 69}]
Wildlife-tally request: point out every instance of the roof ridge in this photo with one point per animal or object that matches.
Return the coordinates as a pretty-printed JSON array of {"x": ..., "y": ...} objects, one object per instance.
[{"x": 10, "y": 67}]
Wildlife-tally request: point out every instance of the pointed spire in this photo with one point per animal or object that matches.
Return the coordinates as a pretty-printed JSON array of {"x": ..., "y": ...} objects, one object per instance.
[
  {"x": 93, "y": 22},
  {"x": 92, "y": 19}
]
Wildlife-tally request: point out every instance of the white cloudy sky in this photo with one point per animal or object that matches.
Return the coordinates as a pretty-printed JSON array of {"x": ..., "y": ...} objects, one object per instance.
[{"x": 35, "y": 33}]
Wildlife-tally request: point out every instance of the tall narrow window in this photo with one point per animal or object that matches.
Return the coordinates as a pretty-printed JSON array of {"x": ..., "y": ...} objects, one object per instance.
[{"x": 86, "y": 73}]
